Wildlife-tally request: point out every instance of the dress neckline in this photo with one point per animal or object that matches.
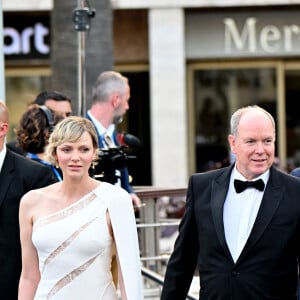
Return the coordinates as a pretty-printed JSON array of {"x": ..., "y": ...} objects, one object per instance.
[{"x": 68, "y": 207}]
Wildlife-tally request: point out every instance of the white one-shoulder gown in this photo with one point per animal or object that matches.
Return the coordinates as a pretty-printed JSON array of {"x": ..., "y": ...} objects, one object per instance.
[{"x": 75, "y": 248}]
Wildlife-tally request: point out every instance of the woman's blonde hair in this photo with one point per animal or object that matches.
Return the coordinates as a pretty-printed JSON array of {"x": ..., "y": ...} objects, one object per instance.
[{"x": 70, "y": 130}]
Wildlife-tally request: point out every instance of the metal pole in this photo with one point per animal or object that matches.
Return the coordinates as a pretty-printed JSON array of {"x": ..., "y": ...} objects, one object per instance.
[
  {"x": 81, "y": 69},
  {"x": 81, "y": 19}
]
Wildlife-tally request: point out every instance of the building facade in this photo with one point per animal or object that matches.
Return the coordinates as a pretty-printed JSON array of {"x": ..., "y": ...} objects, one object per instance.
[{"x": 190, "y": 65}]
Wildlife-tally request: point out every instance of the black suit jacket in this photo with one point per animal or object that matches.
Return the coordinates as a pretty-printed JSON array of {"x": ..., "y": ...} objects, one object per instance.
[
  {"x": 18, "y": 175},
  {"x": 268, "y": 265}
]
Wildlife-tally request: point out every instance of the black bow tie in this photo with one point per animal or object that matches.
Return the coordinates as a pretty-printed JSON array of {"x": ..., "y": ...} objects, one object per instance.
[{"x": 240, "y": 186}]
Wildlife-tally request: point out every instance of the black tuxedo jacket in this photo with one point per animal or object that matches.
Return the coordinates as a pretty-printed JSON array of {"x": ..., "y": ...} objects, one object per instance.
[
  {"x": 267, "y": 267},
  {"x": 18, "y": 175}
]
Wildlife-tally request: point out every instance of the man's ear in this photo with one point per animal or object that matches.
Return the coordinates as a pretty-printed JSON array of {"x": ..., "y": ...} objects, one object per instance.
[
  {"x": 3, "y": 129},
  {"x": 115, "y": 99},
  {"x": 231, "y": 141}
]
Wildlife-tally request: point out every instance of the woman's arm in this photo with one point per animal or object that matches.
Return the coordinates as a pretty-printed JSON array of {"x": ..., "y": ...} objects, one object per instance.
[{"x": 30, "y": 274}]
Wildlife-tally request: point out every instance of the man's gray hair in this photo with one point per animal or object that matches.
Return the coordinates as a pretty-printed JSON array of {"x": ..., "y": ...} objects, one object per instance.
[
  {"x": 236, "y": 117},
  {"x": 107, "y": 83}
]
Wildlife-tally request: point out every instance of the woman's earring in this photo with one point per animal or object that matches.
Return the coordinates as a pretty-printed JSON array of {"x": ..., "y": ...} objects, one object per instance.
[{"x": 93, "y": 165}]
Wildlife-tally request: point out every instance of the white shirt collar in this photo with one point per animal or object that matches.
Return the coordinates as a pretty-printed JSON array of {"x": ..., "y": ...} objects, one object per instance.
[{"x": 100, "y": 128}]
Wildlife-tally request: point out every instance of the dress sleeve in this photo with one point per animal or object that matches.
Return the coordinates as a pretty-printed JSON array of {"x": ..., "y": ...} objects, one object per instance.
[{"x": 125, "y": 233}]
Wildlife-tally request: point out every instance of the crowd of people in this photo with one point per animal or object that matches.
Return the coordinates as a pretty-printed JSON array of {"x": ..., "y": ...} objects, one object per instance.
[
  {"x": 65, "y": 233},
  {"x": 69, "y": 233}
]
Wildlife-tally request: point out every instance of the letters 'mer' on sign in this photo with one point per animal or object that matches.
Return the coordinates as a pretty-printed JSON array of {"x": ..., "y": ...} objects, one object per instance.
[
  {"x": 266, "y": 33},
  {"x": 269, "y": 38}
]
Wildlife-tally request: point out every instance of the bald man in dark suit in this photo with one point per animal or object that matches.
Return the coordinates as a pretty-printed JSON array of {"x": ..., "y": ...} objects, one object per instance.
[{"x": 18, "y": 175}]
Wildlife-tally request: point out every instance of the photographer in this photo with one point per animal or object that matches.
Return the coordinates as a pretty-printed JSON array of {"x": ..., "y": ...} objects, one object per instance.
[{"x": 110, "y": 101}]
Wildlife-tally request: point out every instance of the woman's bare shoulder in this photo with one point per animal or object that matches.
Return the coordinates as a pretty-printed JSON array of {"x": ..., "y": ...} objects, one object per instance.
[
  {"x": 35, "y": 203},
  {"x": 32, "y": 196}
]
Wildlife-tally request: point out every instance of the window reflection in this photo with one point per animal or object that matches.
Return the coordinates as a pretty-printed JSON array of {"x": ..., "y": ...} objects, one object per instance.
[
  {"x": 217, "y": 94},
  {"x": 20, "y": 91}
]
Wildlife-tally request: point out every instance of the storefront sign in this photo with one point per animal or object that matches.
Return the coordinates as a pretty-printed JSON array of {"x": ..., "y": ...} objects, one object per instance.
[
  {"x": 269, "y": 38},
  {"x": 258, "y": 34}
]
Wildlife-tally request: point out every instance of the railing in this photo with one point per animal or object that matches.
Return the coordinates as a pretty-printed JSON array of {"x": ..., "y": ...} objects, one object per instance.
[
  {"x": 160, "y": 280},
  {"x": 149, "y": 226}
]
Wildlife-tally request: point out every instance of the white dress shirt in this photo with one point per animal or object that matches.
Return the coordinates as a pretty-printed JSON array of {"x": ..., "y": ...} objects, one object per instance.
[{"x": 240, "y": 211}]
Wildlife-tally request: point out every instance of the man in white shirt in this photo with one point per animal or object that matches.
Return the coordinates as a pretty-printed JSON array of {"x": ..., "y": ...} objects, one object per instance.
[{"x": 110, "y": 101}]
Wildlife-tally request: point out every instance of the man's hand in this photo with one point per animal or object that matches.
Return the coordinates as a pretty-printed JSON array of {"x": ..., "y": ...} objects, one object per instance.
[{"x": 136, "y": 201}]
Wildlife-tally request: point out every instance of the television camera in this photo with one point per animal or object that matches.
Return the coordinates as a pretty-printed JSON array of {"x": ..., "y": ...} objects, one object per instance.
[{"x": 111, "y": 160}]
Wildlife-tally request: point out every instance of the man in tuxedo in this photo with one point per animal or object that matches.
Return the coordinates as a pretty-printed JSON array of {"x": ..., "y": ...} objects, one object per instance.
[
  {"x": 18, "y": 175},
  {"x": 243, "y": 237},
  {"x": 110, "y": 101}
]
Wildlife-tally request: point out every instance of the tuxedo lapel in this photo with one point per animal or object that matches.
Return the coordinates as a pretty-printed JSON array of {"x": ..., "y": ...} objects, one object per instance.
[
  {"x": 6, "y": 176},
  {"x": 218, "y": 196},
  {"x": 270, "y": 202}
]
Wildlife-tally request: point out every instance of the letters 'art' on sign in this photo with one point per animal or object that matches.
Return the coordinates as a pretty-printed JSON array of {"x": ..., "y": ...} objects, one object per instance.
[{"x": 26, "y": 37}]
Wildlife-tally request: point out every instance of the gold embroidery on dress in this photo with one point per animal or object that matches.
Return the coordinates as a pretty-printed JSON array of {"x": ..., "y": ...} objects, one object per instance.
[
  {"x": 66, "y": 243},
  {"x": 70, "y": 277},
  {"x": 64, "y": 213}
]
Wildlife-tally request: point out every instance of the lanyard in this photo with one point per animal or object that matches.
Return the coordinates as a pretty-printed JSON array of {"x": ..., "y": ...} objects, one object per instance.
[{"x": 46, "y": 163}]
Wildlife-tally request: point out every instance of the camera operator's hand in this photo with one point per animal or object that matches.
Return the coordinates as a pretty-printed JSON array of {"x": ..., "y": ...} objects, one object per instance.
[{"x": 136, "y": 201}]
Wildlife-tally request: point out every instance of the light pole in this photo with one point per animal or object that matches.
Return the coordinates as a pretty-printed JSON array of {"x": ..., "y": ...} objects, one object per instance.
[{"x": 82, "y": 23}]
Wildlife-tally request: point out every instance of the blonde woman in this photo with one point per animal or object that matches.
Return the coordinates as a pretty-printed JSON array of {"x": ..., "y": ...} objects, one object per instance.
[{"x": 70, "y": 230}]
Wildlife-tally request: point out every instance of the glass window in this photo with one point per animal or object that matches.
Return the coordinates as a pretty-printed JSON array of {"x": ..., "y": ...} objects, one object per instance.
[
  {"x": 217, "y": 94},
  {"x": 21, "y": 91},
  {"x": 292, "y": 95}
]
